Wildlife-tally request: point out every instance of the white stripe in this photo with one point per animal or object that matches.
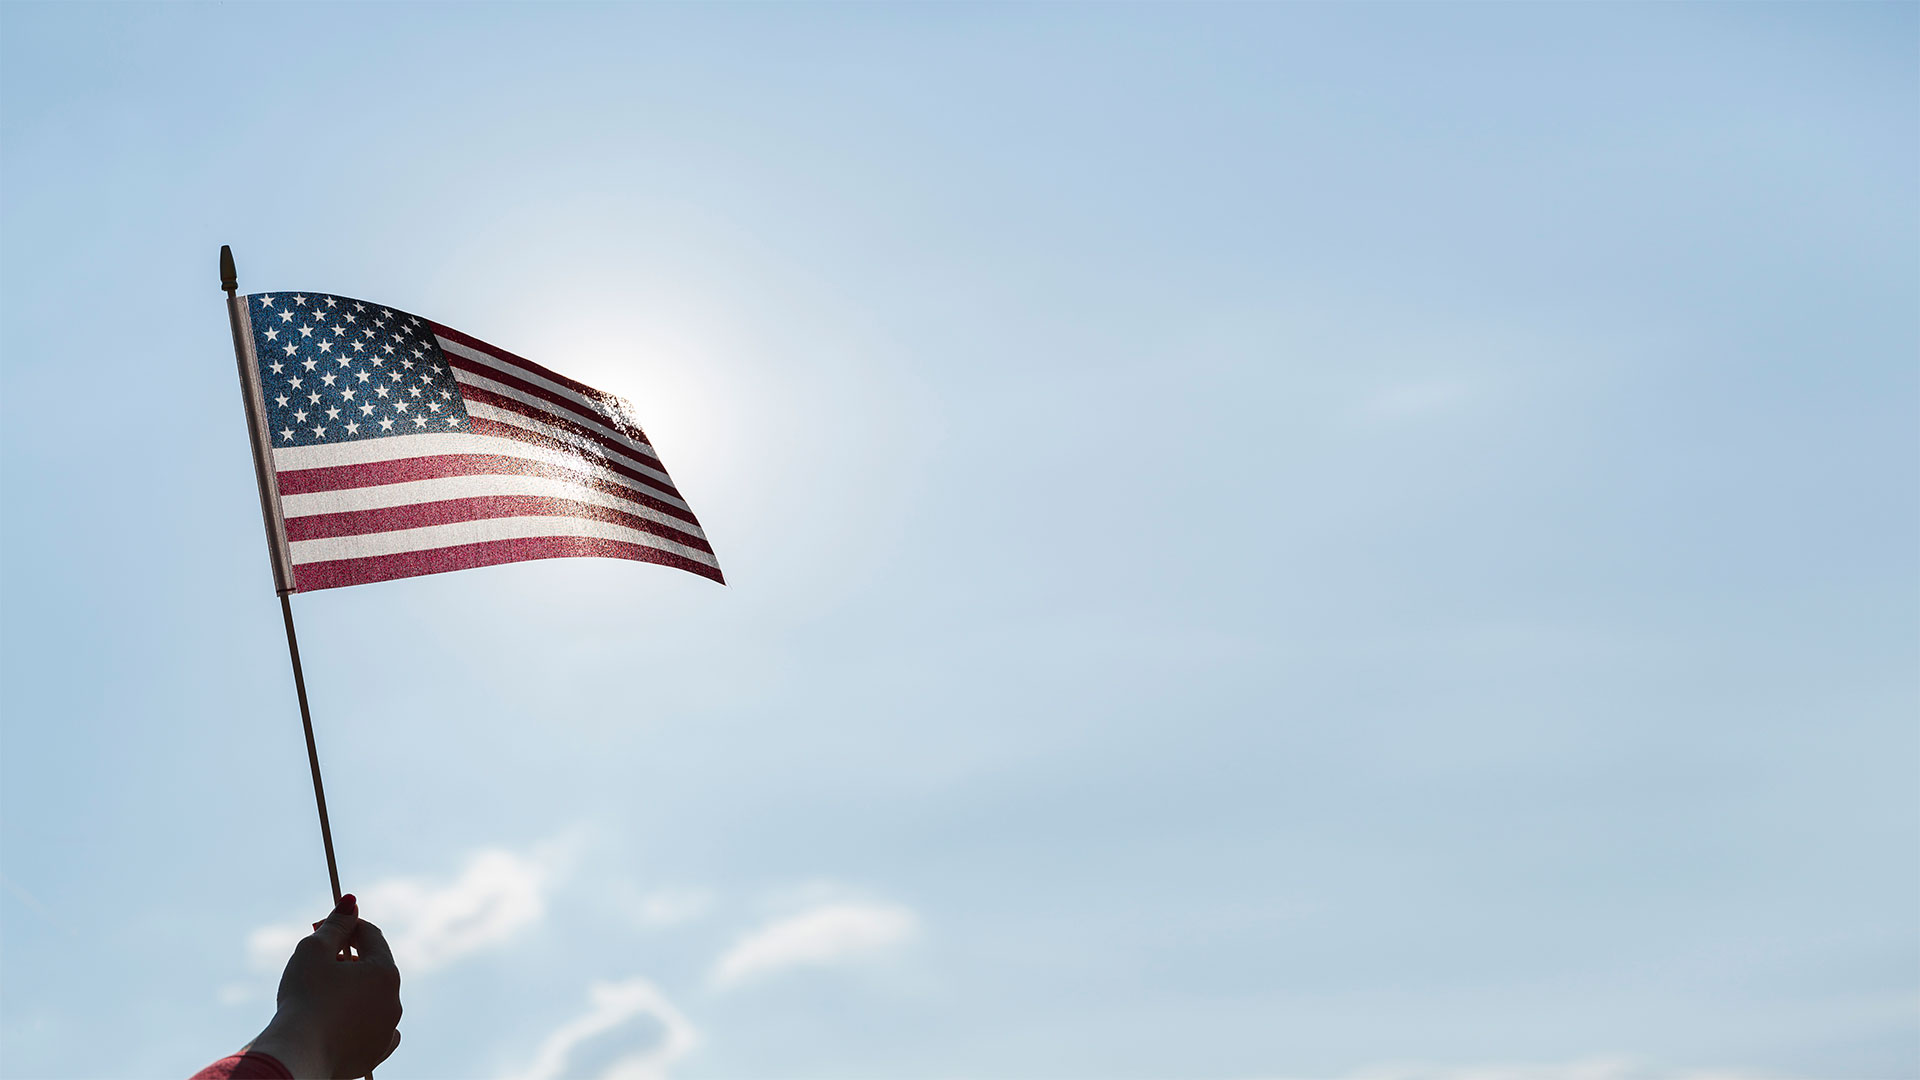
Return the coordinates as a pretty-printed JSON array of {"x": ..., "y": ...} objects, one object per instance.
[
  {"x": 429, "y": 537},
  {"x": 433, "y": 444},
  {"x": 599, "y": 408},
  {"x": 481, "y": 356},
  {"x": 382, "y": 496},
  {"x": 595, "y": 422},
  {"x": 527, "y": 423}
]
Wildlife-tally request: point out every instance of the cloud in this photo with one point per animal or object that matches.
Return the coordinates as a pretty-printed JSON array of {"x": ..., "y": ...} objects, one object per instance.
[
  {"x": 824, "y": 935},
  {"x": 1598, "y": 1068},
  {"x": 497, "y": 894},
  {"x": 612, "y": 1005}
]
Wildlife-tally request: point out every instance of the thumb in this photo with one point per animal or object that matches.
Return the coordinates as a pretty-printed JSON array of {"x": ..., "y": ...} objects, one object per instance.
[{"x": 337, "y": 928}]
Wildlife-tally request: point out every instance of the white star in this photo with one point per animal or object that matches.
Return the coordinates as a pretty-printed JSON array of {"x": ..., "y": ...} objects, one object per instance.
[
  {"x": 308, "y": 364},
  {"x": 367, "y": 409},
  {"x": 434, "y": 405},
  {"x": 416, "y": 354},
  {"x": 296, "y": 382},
  {"x": 286, "y": 433},
  {"x": 281, "y": 401},
  {"x": 319, "y": 433},
  {"x": 300, "y": 300},
  {"x": 326, "y": 346},
  {"x": 353, "y": 427},
  {"x": 344, "y": 361},
  {"x": 286, "y": 316},
  {"x": 362, "y": 376},
  {"x": 397, "y": 376},
  {"x": 340, "y": 331},
  {"x": 385, "y": 313},
  {"x": 414, "y": 390},
  {"x": 408, "y": 364},
  {"x": 347, "y": 393},
  {"x": 357, "y": 306},
  {"x": 272, "y": 333},
  {"x": 357, "y": 346},
  {"x": 386, "y": 425},
  {"x": 313, "y": 399},
  {"x": 388, "y": 348},
  {"x": 291, "y": 349},
  {"x": 333, "y": 414},
  {"x": 306, "y": 331},
  {"x": 266, "y": 301},
  {"x": 399, "y": 406},
  {"x": 445, "y": 394},
  {"x": 329, "y": 301},
  {"x": 419, "y": 421},
  {"x": 349, "y": 317},
  {"x": 276, "y": 367},
  {"x": 300, "y": 416},
  {"x": 328, "y": 378},
  {"x": 381, "y": 390},
  {"x": 453, "y": 421}
]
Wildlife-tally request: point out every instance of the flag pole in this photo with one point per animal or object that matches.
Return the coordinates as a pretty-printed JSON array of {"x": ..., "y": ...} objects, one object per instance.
[{"x": 276, "y": 543}]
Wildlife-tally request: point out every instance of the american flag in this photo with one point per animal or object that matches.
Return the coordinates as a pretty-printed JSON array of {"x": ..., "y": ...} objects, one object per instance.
[{"x": 402, "y": 447}]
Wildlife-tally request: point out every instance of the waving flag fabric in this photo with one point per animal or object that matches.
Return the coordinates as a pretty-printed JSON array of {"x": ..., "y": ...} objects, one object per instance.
[{"x": 402, "y": 447}]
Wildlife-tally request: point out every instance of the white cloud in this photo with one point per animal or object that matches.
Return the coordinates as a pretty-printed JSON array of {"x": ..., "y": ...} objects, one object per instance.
[
  {"x": 430, "y": 925},
  {"x": 610, "y": 1006},
  {"x": 824, "y": 935},
  {"x": 1598, "y": 1068}
]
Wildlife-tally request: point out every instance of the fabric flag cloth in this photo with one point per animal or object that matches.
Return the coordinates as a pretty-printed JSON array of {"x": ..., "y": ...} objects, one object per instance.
[{"x": 401, "y": 447}]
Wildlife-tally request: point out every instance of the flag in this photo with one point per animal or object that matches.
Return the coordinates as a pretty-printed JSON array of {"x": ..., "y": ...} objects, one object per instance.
[{"x": 397, "y": 447}]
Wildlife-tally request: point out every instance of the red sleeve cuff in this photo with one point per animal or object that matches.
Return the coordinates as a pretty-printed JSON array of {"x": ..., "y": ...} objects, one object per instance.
[{"x": 247, "y": 1066}]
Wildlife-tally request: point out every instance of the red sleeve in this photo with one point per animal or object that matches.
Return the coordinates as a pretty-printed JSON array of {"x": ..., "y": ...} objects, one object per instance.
[{"x": 247, "y": 1066}]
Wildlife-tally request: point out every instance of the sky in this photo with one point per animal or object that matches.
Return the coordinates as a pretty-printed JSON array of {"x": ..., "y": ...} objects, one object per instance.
[{"x": 1376, "y": 542}]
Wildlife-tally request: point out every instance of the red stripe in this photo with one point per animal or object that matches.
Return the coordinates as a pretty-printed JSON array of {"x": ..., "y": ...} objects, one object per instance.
[
  {"x": 534, "y": 438},
  {"x": 439, "y": 466},
  {"x": 334, "y": 573},
  {"x": 507, "y": 378},
  {"x": 521, "y": 408},
  {"x": 506, "y": 357},
  {"x": 473, "y": 508}
]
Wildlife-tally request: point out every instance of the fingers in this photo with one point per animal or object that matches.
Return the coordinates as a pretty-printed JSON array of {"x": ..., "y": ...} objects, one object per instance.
[
  {"x": 391, "y": 1047},
  {"x": 373, "y": 944},
  {"x": 336, "y": 929}
]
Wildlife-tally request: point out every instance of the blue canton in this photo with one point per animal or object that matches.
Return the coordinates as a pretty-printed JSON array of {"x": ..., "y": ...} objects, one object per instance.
[{"x": 336, "y": 369}]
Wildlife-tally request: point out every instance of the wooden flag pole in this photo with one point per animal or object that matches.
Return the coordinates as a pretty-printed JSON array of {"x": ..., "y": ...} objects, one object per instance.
[{"x": 269, "y": 506}]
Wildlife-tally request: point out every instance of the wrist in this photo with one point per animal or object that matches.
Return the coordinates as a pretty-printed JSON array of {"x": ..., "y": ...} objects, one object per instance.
[{"x": 296, "y": 1046}]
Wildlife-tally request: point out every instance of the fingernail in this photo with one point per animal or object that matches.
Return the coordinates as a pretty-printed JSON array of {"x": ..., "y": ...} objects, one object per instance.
[
  {"x": 347, "y": 901},
  {"x": 316, "y": 926}
]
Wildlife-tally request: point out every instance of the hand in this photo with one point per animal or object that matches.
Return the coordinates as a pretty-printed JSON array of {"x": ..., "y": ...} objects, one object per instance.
[{"x": 336, "y": 1012}]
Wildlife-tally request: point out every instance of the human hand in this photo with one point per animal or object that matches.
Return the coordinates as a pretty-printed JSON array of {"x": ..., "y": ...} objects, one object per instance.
[{"x": 336, "y": 1013}]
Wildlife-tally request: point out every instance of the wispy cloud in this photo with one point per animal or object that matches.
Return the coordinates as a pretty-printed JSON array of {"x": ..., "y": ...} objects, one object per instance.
[
  {"x": 610, "y": 1007},
  {"x": 497, "y": 894},
  {"x": 823, "y": 935},
  {"x": 1597, "y": 1068}
]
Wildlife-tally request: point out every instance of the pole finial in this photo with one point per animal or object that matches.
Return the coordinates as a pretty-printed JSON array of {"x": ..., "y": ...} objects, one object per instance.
[{"x": 229, "y": 278}]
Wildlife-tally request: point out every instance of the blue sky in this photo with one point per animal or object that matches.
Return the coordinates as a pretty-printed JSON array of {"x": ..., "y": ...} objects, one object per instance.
[{"x": 1264, "y": 541}]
